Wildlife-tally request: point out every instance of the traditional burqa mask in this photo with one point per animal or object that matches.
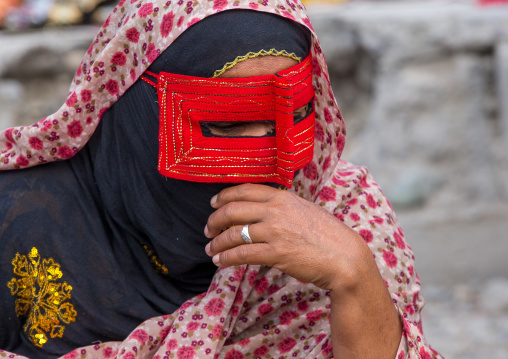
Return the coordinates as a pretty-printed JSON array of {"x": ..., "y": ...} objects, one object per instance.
[{"x": 169, "y": 213}]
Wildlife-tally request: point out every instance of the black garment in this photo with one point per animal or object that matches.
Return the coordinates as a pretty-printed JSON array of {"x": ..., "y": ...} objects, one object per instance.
[{"x": 129, "y": 241}]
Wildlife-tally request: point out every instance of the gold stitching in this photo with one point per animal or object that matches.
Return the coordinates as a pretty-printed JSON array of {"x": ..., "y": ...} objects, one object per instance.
[{"x": 251, "y": 55}]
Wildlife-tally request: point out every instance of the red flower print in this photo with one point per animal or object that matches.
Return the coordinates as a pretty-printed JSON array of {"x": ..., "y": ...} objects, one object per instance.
[
  {"x": 71, "y": 101},
  {"x": 326, "y": 163},
  {"x": 133, "y": 74},
  {"x": 398, "y": 239},
  {"x": 192, "y": 22},
  {"x": 410, "y": 270},
  {"x": 352, "y": 202},
  {"x": 328, "y": 115},
  {"x": 424, "y": 354},
  {"x": 273, "y": 288},
  {"x": 316, "y": 69},
  {"x": 214, "y": 306},
  {"x": 402, "y": 355},
  {"x": 74, "y": 129},
  {"x": 129, "y": 355},
  {"x": 319, "y": 132},
  {"x": 320, "y": 337},
  {"x": 119, "y": 59},
  {"x": 164, "y": 332},
  {"x": 35, "y": 143},
  {"x": 286, "y": 317},
  {"x": 140, "y": 335},
  {"x": 192, "y": 326},
  {"x": 390, "y": 258},
  {"x": 326, "y": 348},
  {"x": 363, "y": 182},
  {"x": 307, "y": 22},
  {"x": 253, "y": 5},
  {"x": 264, "y": 309},
  {"x": 65, "y": 152},
  {"x": 132, "y": 35},
  {"x": 172, "y": 344},
  {"x": 151, "y": 53},
  {"x": 86, "y": 96},
  {"x": 341, "y": 142},
  {"x": 338, "y": 181},
  {"x": 219, "y": 4},
  {"x": 107, "y": 352},
  {"x": 186, "y": 353},
  {"x": 167, "y": 24},
  {"x": 101, "y": 112},
  {"x": 314, "y": 316},
  {"x": 78, "y": 71},
  {"x": 46, "y": 125},
  {"x": 239, "y": 297},
  {"x": 244, "y": 342},
  {"x": 371, "y": 202},
  {"x": 145, "y": 10},
  {"x": 252, "y": 277},
  {"x": 106, "y": 23},
  {"x": 217, "y": 331},
  {"x": 233, "y": 354},
  {"x": 409, "y": 309},
  {"x": 112, "y": 87},
  {"x": 180, "y": 21},
  {"x": 366, "y": 235},
  {"x": 288, "y": 15},
  {"x": 286, "y": 345},
  {"x": 261, "y": 285},
  {"x": 310, "y": 171},
  {"x": 238, "y": 275},
  {"x": 302, "y": 306},
  {"x": 73, "y": 354},
  {"x": 327, "y": 194},
  {"x": 261, "y": 351},
  {"x": 22, "y": 161},
  {"x": 354, "y": 217}
]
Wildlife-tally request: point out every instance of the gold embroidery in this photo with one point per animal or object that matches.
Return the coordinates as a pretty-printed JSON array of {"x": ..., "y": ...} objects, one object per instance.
[
  {"x": 41, "y": 294},
  {"x": 251, "y": 55},
  {"x": 155, "y": 260}
]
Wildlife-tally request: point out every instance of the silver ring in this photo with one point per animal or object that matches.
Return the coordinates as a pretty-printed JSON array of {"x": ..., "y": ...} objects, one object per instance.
[{"x": 245, "y": 234}]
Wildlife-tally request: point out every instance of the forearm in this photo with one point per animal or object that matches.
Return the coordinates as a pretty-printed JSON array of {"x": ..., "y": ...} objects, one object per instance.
[{"x": 364, "y": 322}]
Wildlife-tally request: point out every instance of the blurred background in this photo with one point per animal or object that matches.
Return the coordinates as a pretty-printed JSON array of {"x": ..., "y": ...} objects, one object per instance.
[{"x": 423, "y": 86}]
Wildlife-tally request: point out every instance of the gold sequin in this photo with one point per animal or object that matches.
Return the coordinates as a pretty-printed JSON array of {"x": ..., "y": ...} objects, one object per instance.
[{"x": 41, "y": 296}]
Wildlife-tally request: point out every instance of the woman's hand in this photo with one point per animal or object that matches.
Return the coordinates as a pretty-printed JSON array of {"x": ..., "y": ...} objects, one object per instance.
[
  {"x": 289, "y": 233},
  {"x": 305, "y": 241}
]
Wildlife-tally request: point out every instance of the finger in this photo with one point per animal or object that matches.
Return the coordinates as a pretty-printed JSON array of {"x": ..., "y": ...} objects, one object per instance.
[
  {"x": 256, "y": 253},
  {"x": 234, "y": 213},
  {"x": 232, "y": 238},
  {"x": 244, "y": 192}
]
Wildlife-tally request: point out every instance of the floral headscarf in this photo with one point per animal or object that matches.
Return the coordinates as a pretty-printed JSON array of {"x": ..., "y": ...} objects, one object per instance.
[{"x": 248, "y": 311}]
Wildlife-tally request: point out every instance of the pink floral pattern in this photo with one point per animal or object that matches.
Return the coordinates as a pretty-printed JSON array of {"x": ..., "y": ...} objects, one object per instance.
[{"x": 248, "y": 311}]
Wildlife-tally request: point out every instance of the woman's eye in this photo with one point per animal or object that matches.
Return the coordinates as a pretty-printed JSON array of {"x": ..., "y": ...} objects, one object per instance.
[
  {"x": 236, "y": 129},
  {"x": 227, "y": 129}
]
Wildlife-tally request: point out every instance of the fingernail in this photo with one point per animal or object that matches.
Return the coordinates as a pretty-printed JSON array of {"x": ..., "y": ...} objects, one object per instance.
[
  {"x": 215, "y": 259},
  {"x": 213, "y": 200},
  {"x": 207, "y": 248},
  {"x": 206, "y": 230}
]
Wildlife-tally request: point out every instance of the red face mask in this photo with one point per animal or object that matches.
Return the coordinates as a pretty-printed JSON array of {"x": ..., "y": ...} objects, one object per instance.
[{"x": 189, "y": 151}]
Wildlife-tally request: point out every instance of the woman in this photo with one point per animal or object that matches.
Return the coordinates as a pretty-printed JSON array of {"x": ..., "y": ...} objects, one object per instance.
[{"x": 86, "y": 236}]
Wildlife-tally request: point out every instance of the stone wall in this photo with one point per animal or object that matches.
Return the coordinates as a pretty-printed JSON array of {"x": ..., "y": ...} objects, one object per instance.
[
  {"x": 424, "y": 91},
  {"x": 423, "y": 87}
]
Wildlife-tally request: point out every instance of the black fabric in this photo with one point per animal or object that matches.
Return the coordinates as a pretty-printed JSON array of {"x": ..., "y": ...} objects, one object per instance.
[
  {"x": 98, "y": 214},
  {"x": 221, "y": 38}
]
